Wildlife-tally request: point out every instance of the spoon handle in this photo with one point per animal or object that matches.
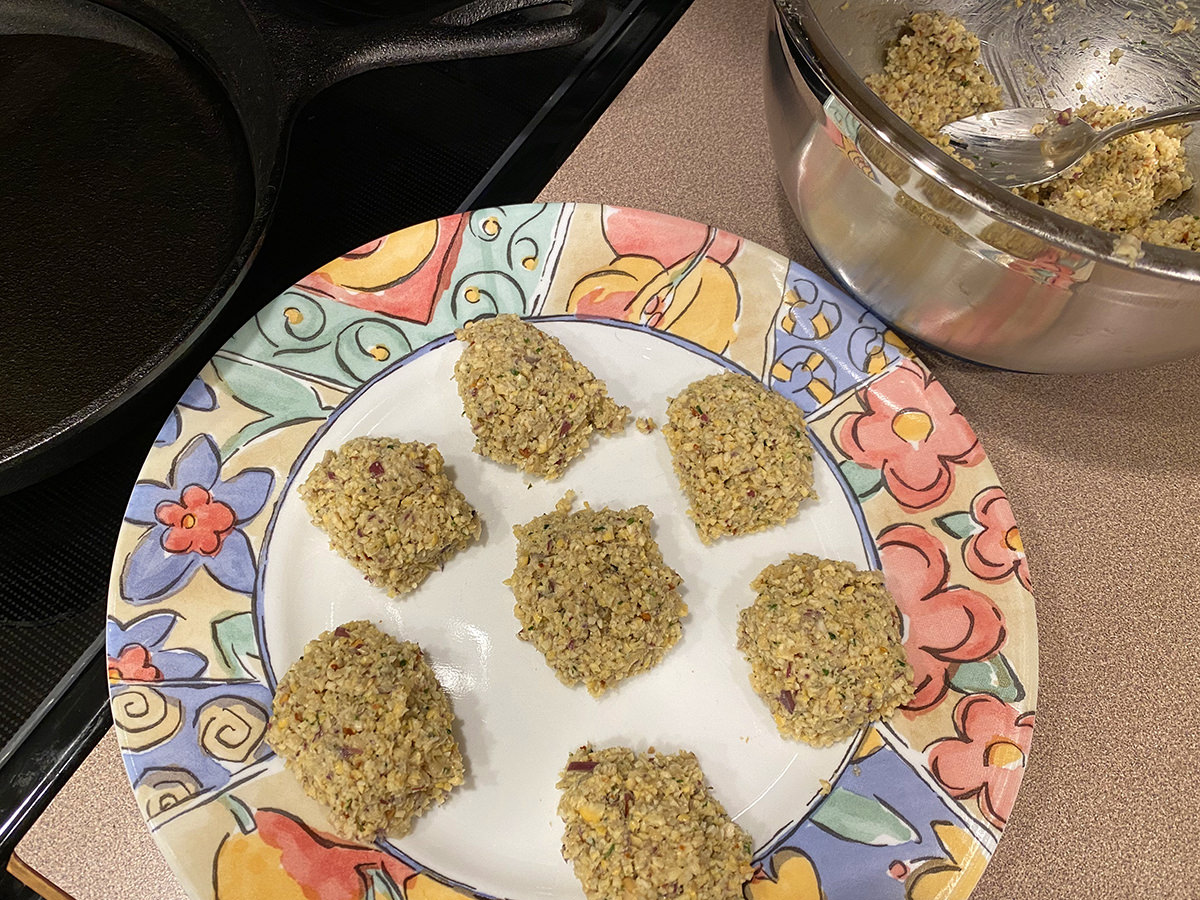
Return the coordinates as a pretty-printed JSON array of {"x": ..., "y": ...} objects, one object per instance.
[{"x": 1172, "y": 116}]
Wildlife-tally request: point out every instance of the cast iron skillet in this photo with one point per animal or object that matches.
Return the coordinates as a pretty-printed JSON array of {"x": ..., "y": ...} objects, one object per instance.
[{"x": 141, "y": 146}]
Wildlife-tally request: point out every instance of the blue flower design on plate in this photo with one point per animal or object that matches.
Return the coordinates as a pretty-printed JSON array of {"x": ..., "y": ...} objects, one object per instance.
[
  {"x": 136, "y": 651},
  {"x": 195, "y": 521},
  {"x": 198, "y": 396}
]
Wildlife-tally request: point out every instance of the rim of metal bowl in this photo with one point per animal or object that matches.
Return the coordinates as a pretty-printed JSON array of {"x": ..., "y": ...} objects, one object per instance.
[{"x": 808, "y": 38}]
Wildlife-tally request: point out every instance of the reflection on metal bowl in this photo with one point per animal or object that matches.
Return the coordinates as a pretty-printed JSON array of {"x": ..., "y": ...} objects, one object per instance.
[{"x": 938, "y": 251}]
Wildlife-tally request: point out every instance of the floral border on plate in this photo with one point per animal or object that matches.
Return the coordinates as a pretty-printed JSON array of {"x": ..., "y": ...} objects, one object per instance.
[{"x": 916, "y": 806}]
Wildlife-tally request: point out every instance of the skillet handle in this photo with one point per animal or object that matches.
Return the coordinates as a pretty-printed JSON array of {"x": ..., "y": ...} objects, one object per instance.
[{"x": 310, "y": 55}]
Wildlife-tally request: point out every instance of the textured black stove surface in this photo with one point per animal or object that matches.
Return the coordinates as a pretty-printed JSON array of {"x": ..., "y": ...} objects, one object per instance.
[{"x": 377, "y": 153}]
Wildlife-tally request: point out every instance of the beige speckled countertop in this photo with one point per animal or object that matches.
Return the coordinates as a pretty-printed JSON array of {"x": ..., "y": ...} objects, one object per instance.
[{"x": 1103, "y": 473}]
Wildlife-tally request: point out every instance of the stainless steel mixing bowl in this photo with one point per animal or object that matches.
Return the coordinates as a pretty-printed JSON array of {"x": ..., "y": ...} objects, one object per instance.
[{"x": 938, "y": 251}]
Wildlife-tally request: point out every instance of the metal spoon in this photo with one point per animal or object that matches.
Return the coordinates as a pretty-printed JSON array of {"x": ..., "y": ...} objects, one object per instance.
[{"x": 1029, "y": 145}]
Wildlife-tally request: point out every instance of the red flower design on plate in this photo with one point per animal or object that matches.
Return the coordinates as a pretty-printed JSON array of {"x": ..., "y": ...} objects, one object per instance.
[
  {"x": 197, "y": 522},
  {"x": 133, "y": 664},
  {"x": 987, "y": 758},
  {"x": 996, "y": 552},
  {"x": 945, "y": 625},
  {"x": 913, "y": 432}
]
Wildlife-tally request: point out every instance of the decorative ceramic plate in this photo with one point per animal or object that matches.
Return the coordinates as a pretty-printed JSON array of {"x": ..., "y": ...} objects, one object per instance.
[{"x": 220, "y": 579}]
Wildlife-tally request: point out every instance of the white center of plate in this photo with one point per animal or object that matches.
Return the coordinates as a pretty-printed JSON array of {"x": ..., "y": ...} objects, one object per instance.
[{"x": 499, "y": 832}]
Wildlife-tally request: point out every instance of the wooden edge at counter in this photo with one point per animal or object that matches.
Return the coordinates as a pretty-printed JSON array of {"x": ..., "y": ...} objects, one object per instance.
[{"x": 36, "y": 882}]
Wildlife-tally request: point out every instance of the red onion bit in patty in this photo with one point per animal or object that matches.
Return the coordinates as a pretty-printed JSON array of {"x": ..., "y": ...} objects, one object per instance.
[
  {"x": 581, "y": 765},
  {"x": 788, "y": 699}
]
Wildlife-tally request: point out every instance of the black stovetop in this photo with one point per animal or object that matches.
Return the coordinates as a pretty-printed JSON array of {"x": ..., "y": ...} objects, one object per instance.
[{"x": 427, "y": 140}]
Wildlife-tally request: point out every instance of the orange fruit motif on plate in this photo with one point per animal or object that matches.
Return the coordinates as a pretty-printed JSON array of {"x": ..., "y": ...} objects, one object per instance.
[
  {"x": 698, "y": 302},
  {"x": 271, "y": 854},
  {"x": 381, "y": 263}
]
